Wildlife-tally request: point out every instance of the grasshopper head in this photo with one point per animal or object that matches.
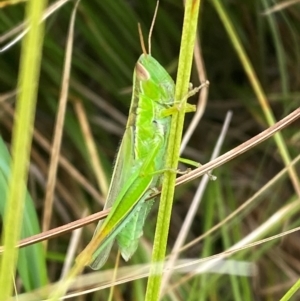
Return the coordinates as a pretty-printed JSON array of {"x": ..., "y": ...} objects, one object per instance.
[{"x": 152, "y": 77}]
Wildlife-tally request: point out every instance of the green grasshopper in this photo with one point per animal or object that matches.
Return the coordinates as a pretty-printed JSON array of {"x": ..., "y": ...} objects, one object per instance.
[{"x": 140, "y": 162}]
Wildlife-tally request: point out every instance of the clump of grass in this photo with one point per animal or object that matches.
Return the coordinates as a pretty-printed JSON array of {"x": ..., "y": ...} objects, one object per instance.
[{"x": 252, "y": 63}]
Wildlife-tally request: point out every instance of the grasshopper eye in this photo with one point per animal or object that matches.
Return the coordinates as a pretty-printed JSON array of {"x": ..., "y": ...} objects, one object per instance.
[
  {"x": 155, "y": 124},
  {"x": 141, "y": 72}
]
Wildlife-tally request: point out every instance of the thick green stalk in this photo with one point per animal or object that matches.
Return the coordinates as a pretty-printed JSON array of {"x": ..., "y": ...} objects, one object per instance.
[
  {"x": 166, "y": 201},
  {"x": 22, "y": 136}
]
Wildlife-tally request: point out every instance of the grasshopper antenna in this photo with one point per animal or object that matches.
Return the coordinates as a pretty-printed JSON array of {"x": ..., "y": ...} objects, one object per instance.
[
  {"x": 152, "y": 26},
  {"x": 142, "y": 39}
]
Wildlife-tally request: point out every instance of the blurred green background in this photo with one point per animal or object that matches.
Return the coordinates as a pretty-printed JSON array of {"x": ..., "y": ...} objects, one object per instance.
[{"x": 106, "y": 47}]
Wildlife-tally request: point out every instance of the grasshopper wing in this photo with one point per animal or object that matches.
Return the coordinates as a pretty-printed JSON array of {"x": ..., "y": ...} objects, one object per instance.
[{"x": 123, "y": 164}]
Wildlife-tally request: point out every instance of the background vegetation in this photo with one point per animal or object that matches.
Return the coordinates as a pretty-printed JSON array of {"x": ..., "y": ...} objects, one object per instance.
[{"x": 106, "y": 47}]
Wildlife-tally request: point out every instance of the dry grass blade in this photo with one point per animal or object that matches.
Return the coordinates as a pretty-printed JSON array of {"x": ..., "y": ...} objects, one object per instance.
[
  {"x": 58, "y": 133},
  {"x": 246, "y": 204},
  {"x": 202, "y": 99},
  {"x": 63, "y": 161},
  {"x": 242, "y": 148},
  {"x": 91, "y": 145},
  {"x": 280, "y": 6},
  {"x": 61, "y": 230},
  {"x": 181, "y": 180},
  {"x": 194, "y": 206},
  {"x": 23, "y": 27}
]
